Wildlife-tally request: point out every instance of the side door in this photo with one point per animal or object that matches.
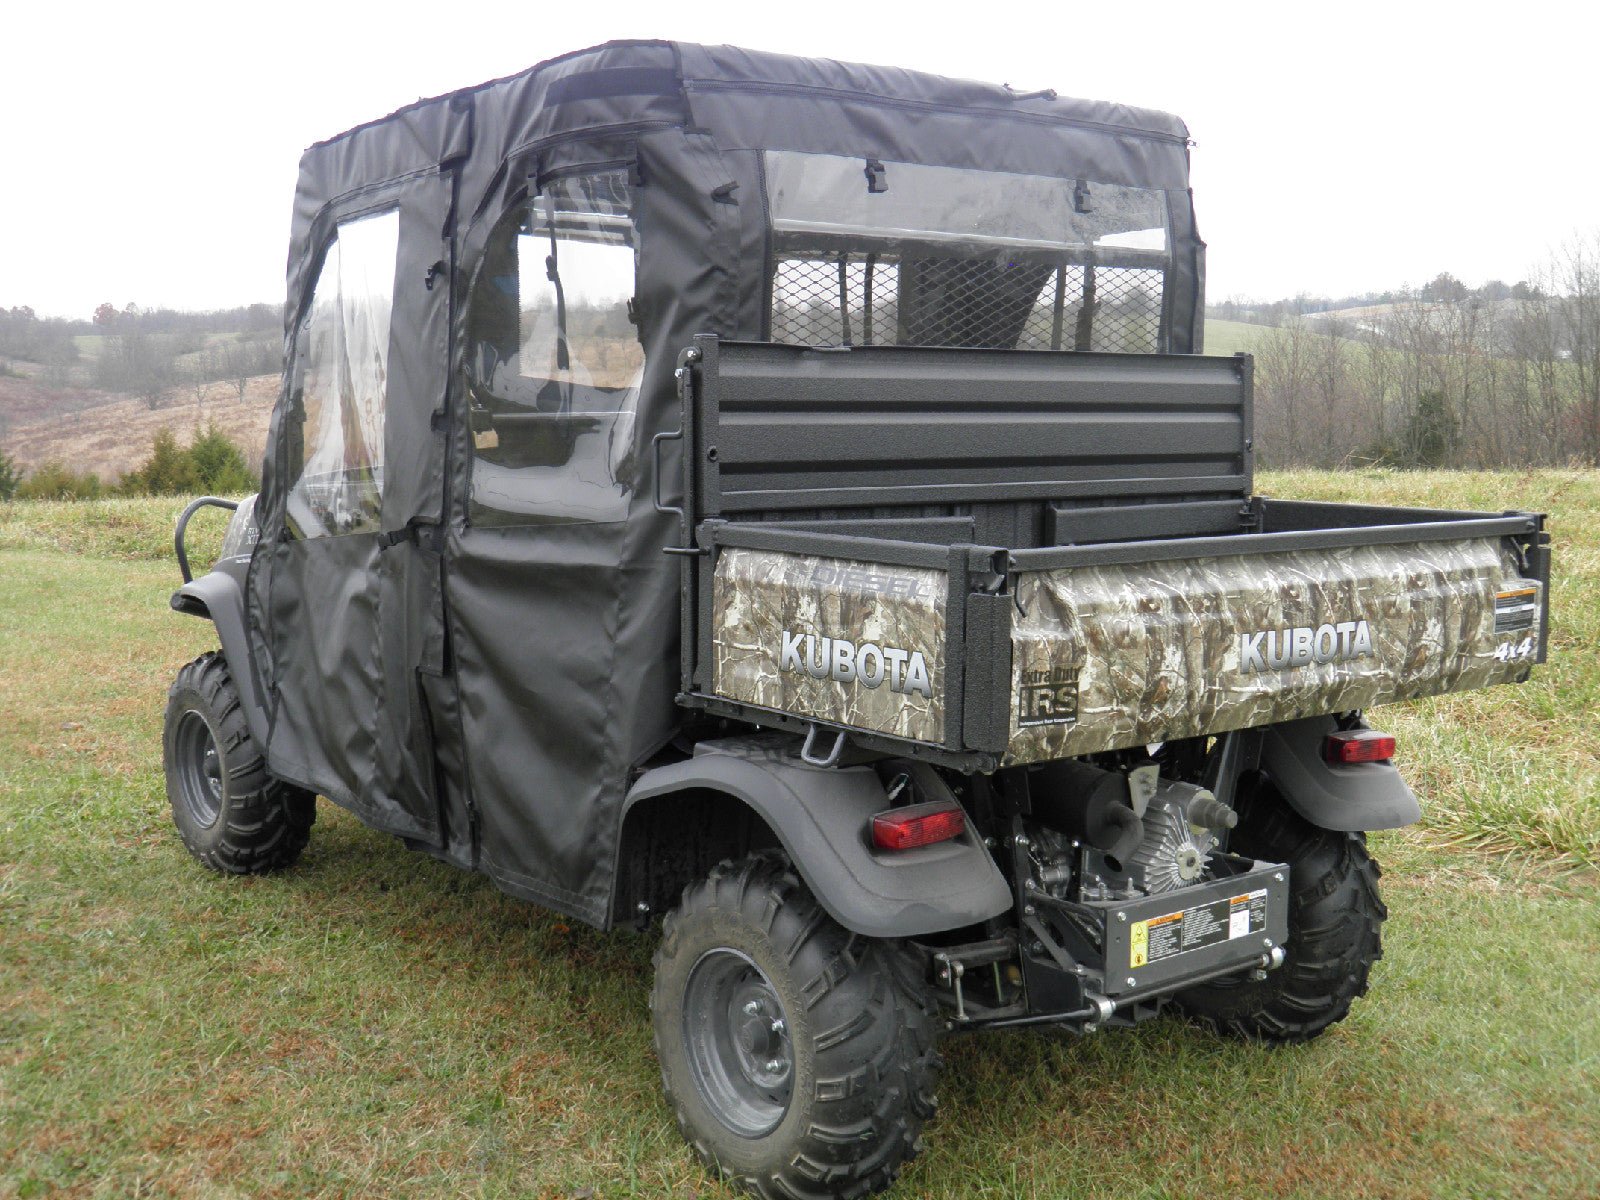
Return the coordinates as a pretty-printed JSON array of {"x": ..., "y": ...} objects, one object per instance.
[
  {"x": 551, "y": 487},
  {"x": 354, "y": 610}
]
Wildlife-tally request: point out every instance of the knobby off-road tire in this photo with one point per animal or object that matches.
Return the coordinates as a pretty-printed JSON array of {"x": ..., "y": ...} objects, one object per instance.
[
  {"x": 1335, "y": 916},
  {"x": 798, "y": 1057},
  {"x": 231, "y": 814}
]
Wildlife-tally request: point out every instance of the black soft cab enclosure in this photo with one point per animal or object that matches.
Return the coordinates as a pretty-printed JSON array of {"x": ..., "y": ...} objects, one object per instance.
[
  {"x": 459, "y": 612},
  {"x": 789, "y": 496}
]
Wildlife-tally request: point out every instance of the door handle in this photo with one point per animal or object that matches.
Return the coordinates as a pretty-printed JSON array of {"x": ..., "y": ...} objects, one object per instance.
[{"x": 655, "y": 449}]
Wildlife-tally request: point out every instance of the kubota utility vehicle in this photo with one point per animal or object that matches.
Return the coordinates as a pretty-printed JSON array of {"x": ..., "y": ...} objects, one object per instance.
[{"x": 787, "y": 498}]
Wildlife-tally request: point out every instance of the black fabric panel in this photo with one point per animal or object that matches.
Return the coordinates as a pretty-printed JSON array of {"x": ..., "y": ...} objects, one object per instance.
[
  {"x": 413, "y": 486},
  {"x": 761, "y": 69},
  {"x": 1185, "y": 290},
  {"x": 458, "y": 826},
  {"x": 324, "y": 620},
  {"x": 848, "y": 109},
  {"x": 410, "y": 631},
  {"x": 536, "y": 656},
  {"x": 513, "y": 115},
  {"x": 348, "y": 721},
  {"x": 826, "y": 125},
  {"x": 565, "y": 636},
  {"x": 342, "y": 635},
  {"x": 411, "y": 634},
  {"x": 753, "y": 254},
  {"x": 1195, "y": 287},
  {"x": 615, "y": 81}
]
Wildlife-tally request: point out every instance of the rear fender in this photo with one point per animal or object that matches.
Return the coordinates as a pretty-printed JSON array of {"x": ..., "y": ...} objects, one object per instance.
[
  {"x": 217, "y": 597},
  {"x": 1346, "y": 799},
  {"x": 820, "y": 817}
]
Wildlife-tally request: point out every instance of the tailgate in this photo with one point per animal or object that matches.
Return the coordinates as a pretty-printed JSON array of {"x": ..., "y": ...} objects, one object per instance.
[{"x": 1122, "y": 654}]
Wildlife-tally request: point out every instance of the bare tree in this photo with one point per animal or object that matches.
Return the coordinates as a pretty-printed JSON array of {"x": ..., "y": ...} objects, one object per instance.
[
  {"x": 1578, "y": 275},
  {"x": 238, "y": 366},
  {"x": 1374, "y": 380},
  {"x": 1330, "y": 385},
  {"x": 57, "y": 371},
  {"x": 1534, "y": 336},
  {"x": 1283, "y": 369},
  {"x": 197, "y": 379}
]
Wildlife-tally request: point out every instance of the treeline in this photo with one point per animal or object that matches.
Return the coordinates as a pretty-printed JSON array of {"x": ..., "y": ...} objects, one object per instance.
[
  {"x": 1444, "y": 287},
  {"x": 156, "y": 367},
  {"x": 1443, "y": 376},
  {"x": 48, "y": 341},
  {"x": 211, "y": 464},
  {"x": 152, "y": 354},
  {"x": 257, "y": 319}
]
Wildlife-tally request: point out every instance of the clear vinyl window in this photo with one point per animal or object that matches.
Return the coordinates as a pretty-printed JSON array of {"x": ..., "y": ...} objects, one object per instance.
[
  {"x": 341, "y": 379},
  {"x": 554, "y": 360},
  {"x": 889, "y": 253}
]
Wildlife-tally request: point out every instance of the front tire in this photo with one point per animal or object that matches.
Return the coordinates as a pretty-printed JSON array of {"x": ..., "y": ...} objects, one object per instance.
[
  {"x": 1335, "y": 930},
  {"x": 232, "y": 815},
  {"x": 798, "y": 1057}
]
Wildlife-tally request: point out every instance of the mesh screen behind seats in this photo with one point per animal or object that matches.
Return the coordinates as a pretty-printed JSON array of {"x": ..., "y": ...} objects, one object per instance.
[{"x": 832, "y": 298}]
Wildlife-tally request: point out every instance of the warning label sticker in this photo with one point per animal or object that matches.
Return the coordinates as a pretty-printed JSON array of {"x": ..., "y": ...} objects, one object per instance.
[
  {"x": 1194, "y": 928},
  {"x": 1515, "y": 610}
]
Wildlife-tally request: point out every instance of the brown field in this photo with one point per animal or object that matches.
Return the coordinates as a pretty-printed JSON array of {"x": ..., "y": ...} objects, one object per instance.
[{"x": 110, "y": 434}]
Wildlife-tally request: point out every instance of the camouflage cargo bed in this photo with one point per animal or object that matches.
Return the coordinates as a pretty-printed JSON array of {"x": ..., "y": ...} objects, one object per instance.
[{"x": 1030, "y": 597}]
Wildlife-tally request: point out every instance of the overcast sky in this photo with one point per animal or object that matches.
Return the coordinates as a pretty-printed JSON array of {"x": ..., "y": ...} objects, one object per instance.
[{"x": 148, "y": 151}]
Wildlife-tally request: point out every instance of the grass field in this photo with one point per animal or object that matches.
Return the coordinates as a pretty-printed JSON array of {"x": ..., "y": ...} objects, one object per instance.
[
  {"x": 1231, "y": 337},
  {"x": 372, "y": 1023}
]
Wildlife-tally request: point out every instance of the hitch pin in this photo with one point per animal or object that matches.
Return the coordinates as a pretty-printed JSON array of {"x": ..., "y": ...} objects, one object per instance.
[
  {"x": 955, "y": 970},
  {"x": 1269, "y": 961}
]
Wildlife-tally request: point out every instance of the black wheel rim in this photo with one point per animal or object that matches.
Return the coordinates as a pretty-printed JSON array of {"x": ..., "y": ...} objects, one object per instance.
[
  {"x": 738, "y": 1041},
  {"x": 201, "y": 784}
]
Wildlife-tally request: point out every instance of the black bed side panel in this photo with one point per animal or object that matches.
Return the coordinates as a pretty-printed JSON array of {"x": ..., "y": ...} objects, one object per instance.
[{"x": 785, "y": 431}]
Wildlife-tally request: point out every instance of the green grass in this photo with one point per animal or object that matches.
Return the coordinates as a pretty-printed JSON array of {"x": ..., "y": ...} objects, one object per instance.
[
  {"x": 131, "y": 528},
  {"x": 1231, "y": 337},
  {"x": 373, "y": 1023}
]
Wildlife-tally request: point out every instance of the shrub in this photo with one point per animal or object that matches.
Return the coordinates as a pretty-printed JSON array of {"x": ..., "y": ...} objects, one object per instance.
[
  {"x": 211, "y": 464},
  {"x": 10, "y": 477},
  {"x": 53, "y": 481},
  {"x": 220, "y": 464},
  {"x": 1430, "y": 432},
  {"x": 168, "y": 471}
]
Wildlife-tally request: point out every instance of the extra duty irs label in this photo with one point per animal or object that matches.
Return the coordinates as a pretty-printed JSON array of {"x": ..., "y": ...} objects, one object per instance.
[
  {"x": 1194, "y": 928},
  {"x": 1048, "y": 696}
]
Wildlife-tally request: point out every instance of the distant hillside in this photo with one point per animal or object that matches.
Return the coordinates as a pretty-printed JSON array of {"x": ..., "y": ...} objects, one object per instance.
[
  {"x": 110, "y": 433},
  {"x": 1424, "y": 383}
]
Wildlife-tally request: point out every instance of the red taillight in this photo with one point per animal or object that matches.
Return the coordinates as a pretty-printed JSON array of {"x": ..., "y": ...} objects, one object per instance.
[
  {"x": 1358, "y": 746},
  {"x": 917, "y": 825}
]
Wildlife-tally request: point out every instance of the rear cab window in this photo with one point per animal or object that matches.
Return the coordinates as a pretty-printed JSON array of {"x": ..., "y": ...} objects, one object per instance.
[{"x": 867, "y": 252}]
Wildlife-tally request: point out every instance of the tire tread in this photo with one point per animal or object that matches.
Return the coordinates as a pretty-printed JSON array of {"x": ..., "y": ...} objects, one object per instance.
[
  {"x": 266, "y": 824},
  {"x": 1335, "y": 922},
  {"x": 866, "y": 1116}
]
